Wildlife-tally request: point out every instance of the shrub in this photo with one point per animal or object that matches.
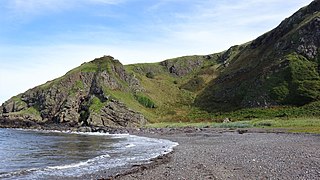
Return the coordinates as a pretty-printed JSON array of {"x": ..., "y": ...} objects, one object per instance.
[
  {"x": 150, "y": 75},
  {"x": 145, "y": 101},
  {"x": 305, "y": 80},
  {"x": 279, "y": 93}
]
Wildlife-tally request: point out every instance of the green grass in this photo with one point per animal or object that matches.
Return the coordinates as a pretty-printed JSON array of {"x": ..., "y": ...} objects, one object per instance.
[
  {"x": 96, "y": 105},
  {"x": 31, "y": 111},
  {"x": 233, "y": 125},
  {"x": 309, "y": 110},
  {"x": 77, "y": 86},
  {"x": 178, "y": 124},
  {"x": 145, "y": 101},
  {"x": 295, "y": 125},
  {"x": 302, "y": 124}
]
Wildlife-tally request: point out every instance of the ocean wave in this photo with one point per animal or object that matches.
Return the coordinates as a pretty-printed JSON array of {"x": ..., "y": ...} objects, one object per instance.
[
  {"x": 131, "y": 150},
  {"x": 130, "y": 145},
  {"x": 18, "y": 173},
  {"x": 74, "y": 132}
]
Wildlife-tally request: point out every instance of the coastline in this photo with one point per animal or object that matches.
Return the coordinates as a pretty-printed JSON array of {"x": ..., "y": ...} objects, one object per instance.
[
  {"x": 216, "y": 153},
  {"x": 210, "y": 153}
]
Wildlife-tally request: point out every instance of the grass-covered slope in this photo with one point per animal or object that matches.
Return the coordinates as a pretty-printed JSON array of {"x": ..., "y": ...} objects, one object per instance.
[
  {"x": 167, "y": 84},
  {"x": 280, "y": 67}
]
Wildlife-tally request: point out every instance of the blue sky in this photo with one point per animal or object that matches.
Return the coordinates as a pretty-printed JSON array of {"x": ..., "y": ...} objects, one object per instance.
[{"x": 42, "y": 39}]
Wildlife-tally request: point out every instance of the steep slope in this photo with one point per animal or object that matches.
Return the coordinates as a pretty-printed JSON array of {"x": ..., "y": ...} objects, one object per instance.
[
  {"x": 280, "y": 67},
  {"x": 80, "y": 97}
]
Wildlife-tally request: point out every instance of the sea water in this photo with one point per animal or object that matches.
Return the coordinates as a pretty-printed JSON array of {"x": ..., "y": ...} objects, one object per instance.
[{"x": 29, "y": 154}]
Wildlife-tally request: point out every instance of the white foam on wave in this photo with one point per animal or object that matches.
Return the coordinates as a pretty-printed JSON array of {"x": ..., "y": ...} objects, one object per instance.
[
  {"x": 75, "y": 132},
  {"x": 68, "y": 166},
  {"x": 74, "y": 165},
  {"x": 130, "y": 145}
]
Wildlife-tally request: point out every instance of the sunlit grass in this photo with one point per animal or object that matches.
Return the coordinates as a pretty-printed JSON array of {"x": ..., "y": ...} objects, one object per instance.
[{"x": 299, "y": 125}]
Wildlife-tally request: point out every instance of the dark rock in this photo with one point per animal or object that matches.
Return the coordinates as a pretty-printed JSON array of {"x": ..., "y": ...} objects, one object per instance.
[{"x": 242, "y": 131}]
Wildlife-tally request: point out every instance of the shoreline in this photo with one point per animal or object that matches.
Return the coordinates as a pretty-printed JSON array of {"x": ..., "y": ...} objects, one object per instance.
[
  {"x": 228, "y": 154},
  {"x": 216, "y": 153}
]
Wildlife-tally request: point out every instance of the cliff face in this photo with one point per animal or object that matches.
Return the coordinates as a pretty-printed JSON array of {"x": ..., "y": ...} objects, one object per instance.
[
  {"x": 280, "y": 67},
  {"x": 81, "y": 97}
]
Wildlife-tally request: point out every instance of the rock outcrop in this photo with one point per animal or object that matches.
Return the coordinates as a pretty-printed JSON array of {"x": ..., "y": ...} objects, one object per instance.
[
  {"x": 184, "y": 65},
  {"x": 81, "y": 97}
]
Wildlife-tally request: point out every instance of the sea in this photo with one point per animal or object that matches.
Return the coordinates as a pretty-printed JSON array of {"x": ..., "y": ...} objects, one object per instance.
[{"x": 32, "y": 154}]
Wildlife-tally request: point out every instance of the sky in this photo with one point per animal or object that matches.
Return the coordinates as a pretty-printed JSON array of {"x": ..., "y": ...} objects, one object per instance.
[{"x": 43, "y": 39}]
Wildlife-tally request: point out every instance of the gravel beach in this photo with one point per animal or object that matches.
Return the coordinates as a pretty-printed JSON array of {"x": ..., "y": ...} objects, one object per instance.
[{"x": 212, "y": 154}]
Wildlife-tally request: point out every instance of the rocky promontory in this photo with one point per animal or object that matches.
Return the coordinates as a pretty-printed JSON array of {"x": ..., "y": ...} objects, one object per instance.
[{"x": 82, "y": 97}]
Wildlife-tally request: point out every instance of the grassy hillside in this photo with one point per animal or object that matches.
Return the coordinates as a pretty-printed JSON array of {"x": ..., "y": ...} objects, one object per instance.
[
  {"x": 278, "y": 68},
  {"x": 168, "y": 90}
]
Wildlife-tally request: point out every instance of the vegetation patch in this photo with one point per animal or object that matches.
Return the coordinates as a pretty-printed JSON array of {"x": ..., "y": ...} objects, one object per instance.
[
  {"x": 194, "y": 84},
  {"x": 145, "y": 101},
  {"x": 77, "y": 86},
  {"x": 150, "y": 75},
  {"x": 233, "y": 125},
  {"x": 88, "y": 67},
  {"x": 301, "y": 124},
  {"x": 178, "y": 124},
  {"x": 305, "y": 80},
  {"x": 31, "y": 110},
  {"x": 96, "y": 105}
]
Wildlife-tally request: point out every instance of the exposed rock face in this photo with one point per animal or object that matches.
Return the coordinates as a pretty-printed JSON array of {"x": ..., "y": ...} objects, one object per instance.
[
  {"x": 183, "y": 65},
  {"x": 280, "y": 67},
  {"x": 80, "y": 97},
  {"x": 116, "y": 114}
]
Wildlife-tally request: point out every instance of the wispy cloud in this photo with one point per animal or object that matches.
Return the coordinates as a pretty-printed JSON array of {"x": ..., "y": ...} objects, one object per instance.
[
  {"x": 107, "y": 1},
  {"x": 216, "y": 25},
  {"x": 32, "y": 8}
]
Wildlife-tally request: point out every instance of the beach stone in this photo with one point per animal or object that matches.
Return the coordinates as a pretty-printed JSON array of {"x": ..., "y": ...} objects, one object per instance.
[
  {"x": 226, "y": 120},
  {"x": 85, "y": 129}
]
